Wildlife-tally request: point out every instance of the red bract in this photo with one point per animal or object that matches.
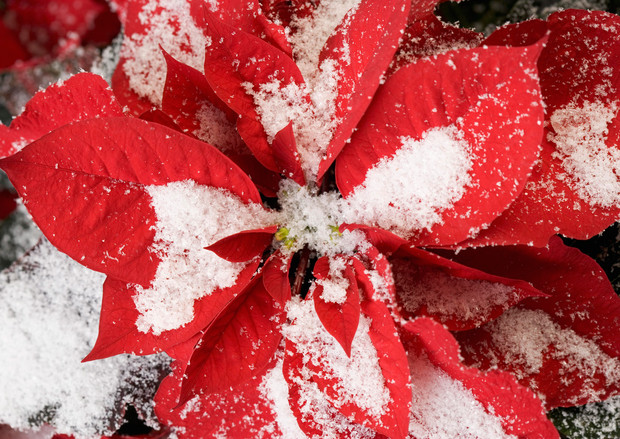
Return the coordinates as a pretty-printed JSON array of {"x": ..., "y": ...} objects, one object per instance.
[{"x": 310, "y": 312}]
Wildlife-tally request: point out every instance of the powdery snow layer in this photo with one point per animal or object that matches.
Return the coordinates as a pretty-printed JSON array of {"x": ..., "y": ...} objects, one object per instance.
[
  {"x": 49, "y": 311},
  {"x": 526, "y": 337},
  {"x": 359, "y": 379},
  {"x": 313, "y": 31},
  {"x": 274, "y": 389},
  {"x": 314, "y": 220},
  {"x": 172, "y": 28},
  {"x": 446, "y": 295},
  {"x": 580, "y": 139},
  {"x": 443, "y": 408},
  {"x": 408, "y": 191},
  {"x": 191, "y": 217},
  {"x": 316, "y": 409},
  {"x": 313, "y": 121}
]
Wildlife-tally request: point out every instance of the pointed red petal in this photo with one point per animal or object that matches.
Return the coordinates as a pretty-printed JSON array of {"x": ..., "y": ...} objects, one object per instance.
[
  {"x": 178, "y": 29},
  {"x": 471, "y": 98},
  {"x": 430, "y": 36},
  {"x": 337, "y": 304},
  {"x": 118, "y": 330},
  {"x": 98, "y": 210},
  {"x": 575, "y": 188},
  {"x": 237, "y": 346},
  {"x": 442, "y": 388},
  {"x": 458, "y": 296},
  {"x": 385, "y": 241},
  {"x": 231, "y": 69},
  {"x": 573, "y": 334},
  {"x": 243, "y": 246},
  {"x": 81, "y": 97},
  {"x": 369, "y": 36},
  {"x": 371, "y": 387},
  {"x": 244, "y": 412},
  {"x": 314, "y": 414},
  {"x": 275, "y": 276},
  {"x": 286, "y": 157},
  {"x": 189, "y": 100}
]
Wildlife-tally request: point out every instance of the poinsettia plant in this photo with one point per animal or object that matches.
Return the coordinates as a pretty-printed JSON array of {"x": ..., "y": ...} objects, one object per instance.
[{"x": 339, "y": 218}]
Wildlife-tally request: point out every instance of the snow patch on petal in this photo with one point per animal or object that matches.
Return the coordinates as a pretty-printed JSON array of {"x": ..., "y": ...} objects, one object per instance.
[
  {"x": 448, "y": 296},
  {"x": 442, "y": 408},
  {"x": 313, "y": 31},
  {"x": 358, "y": 378},
  {"x": 408, "y": 191},
  {"x": 335, "y": 286},
  {"x": 313, "y": 124},
  {"x": 274, "y": 389},
  {"x": 189, "y": 218},
  {"x": 169, "y": 25},
  {"x": 526, "y": 338},
  {"x": 216, "y": 130},
  {"x": 580, "y": 139}
]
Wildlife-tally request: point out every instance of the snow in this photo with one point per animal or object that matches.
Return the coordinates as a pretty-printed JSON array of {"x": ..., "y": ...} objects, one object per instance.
[
  {"x": 274, "y": 389},
  {"x": 277, "y": 105},
  {"x": 336, "y": 284},
  {"x": 446, "y": 296},
  {"x": 580, "y": 138},
  {"x": 215, "y": 129},
  {"x": 313, "y": 219},
  {"x": 49, "y": 308},
  {"x": 358, "y": 379},
  {"x": 171, "y": 27},
  {"x": 311, "y": 107},
  {"x": 442, "y": 408},
  {"x": 526, "y": 338},
  {"x": 191, "y": 217},
  {"x": 408, "y": 191},
  {"x": 312, "y": 32}
]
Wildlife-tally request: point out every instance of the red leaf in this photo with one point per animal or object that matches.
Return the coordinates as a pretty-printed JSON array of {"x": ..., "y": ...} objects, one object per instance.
[
  {"x": 231, "y": 66},
  {"x": 158, "y": 116},
  {"x": 337, "y": 302},
  {"x": 574, "y": 189},
  {"x": 285, "y": 155},
  {"x": 314, "y": 414},
  {"x": 449, "y": 398},
  {"x": 237, "y": 346},
  {"x": 98, "y": 210},
  {"x": 191, "y": 102},
  {"x": 371, "y": 387},
  {"x": 383, "y": 240},
  {"x": 430, "y": 36},
  {"x": 573, "y": 334},
  {"x": 469, "y": 96},
  {"x": 118, "y": 331},
  {"x": 274, "y": 34},
  {"x": 275, "y": 276},
  {"x": 266, "y": 181},
  {"x": 240, "y": 413},
  {"x": 244, "y": 246},
  {"x": 459, "y": 297},
  {"x": 81, "y": 97},
  {"x": 369, "y": 35}
]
